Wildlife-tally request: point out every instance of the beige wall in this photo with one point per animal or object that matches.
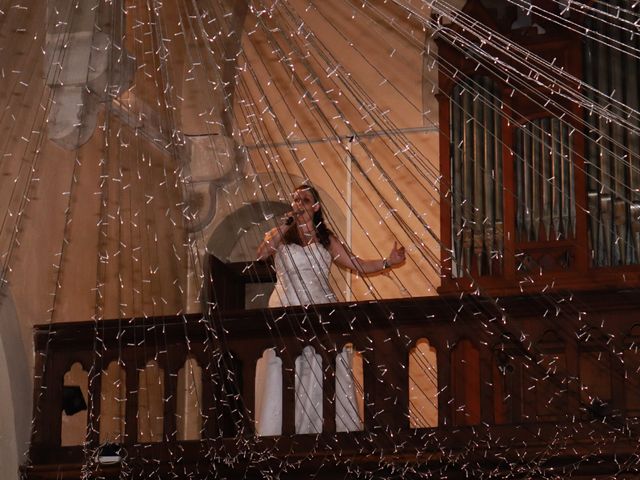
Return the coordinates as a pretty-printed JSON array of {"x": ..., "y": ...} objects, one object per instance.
[{"x": 387, "y": 76}]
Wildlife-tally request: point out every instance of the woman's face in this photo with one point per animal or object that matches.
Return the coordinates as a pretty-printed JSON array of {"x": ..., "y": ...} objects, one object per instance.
[{"x": 304, "y": 205}]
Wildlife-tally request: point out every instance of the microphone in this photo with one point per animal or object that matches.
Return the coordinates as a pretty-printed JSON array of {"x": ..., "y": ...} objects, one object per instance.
[{"x": 290, "y": 216}]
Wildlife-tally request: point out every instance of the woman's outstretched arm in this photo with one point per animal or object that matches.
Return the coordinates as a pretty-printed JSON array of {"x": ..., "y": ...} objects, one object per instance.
[{"x": 344, "y": 258}]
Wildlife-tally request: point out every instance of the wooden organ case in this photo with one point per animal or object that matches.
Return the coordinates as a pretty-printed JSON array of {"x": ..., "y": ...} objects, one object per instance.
[{"x": 540, "y": 188}]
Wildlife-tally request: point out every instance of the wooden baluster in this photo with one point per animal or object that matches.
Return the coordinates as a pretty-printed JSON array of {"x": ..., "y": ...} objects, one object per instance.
[
  {"x": 486, "y": 386},
  {"x": 289, "y": 391},
  {"x": 465, "y": 382},
  {"x": 51, "y": 403},
  {"x": 502, "y": 403},
  {"x": 516, "y": 392},
  {"x": 401, "y": 375},
  {"x": 132, "y": 393},
  {"x": 445, "y": 396},
  {"x": 210, "y": 424},
  {"x": 248, "y": 359},
  {"x": 391, "y": 393},
  {"x": 173, "y": 361},
  {"x": 618, "y": 383},
  {"x": 572, "y": 374},
  {"x": 94, "y": 399},
  {"x": 329, "y": 393},
  {"x": 234, "y": 407},
  {"x": 369, "y": 381}
]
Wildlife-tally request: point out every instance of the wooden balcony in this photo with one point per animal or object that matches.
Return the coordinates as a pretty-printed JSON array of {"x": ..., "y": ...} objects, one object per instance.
[{"x": 535, "y": 383}]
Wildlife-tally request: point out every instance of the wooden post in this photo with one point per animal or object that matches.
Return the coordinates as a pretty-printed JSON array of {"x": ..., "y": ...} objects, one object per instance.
[
  {"x": 329, "y": 396},
  {"x": 132, "y": 393},
  {"x": 288, "y": 392}
]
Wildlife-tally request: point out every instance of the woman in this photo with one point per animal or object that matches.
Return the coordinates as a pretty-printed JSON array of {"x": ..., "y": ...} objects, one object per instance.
[{"x": 303, "y": 249}]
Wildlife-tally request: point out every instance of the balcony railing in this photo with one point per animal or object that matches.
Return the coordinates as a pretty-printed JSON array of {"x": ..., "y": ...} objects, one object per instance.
[{"x": 517, "y": 383}]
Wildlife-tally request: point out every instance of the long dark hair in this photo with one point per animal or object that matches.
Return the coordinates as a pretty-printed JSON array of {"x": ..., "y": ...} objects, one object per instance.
[{"x": 322, "y": 232}]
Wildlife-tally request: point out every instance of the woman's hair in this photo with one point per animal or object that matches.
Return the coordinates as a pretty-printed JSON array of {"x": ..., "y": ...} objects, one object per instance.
[{"x": 322, "y": 232}]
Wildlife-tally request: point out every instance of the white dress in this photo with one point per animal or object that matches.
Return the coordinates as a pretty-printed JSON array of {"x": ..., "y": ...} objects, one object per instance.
[
  {"x": 302, "y": 279},
  {"x": 302, "y": 275}
]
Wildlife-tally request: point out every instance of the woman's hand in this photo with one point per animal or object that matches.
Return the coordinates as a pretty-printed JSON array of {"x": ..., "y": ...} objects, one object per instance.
[
  {"x": 289, "y": 218},
  {"x": 343, "y": 257},
  {"x": 274, "y": 237},
  {"x": 397, "y": 255}
]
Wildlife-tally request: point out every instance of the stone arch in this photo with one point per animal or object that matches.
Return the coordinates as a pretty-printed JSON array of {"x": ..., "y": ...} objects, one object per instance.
[
  {"x": 244, "y": 228},
  {"x": 247, "y": 222}
]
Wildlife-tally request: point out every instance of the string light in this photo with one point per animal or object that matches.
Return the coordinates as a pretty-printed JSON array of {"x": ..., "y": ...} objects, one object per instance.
[{"x": 145, "y": 193}]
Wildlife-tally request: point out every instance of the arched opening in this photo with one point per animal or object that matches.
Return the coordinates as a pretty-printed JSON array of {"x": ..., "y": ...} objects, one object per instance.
[
  {"x": 74, "y": 400},
  {"x": 423, "y": 385},
  {"x": 308, "y": 385},
  {"x": 349, "y": 390},
  {"x": 268, "y": 386}
]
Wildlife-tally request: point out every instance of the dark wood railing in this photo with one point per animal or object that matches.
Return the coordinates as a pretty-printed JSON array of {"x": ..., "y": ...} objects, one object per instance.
[{"x": 521, "y": 381}]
